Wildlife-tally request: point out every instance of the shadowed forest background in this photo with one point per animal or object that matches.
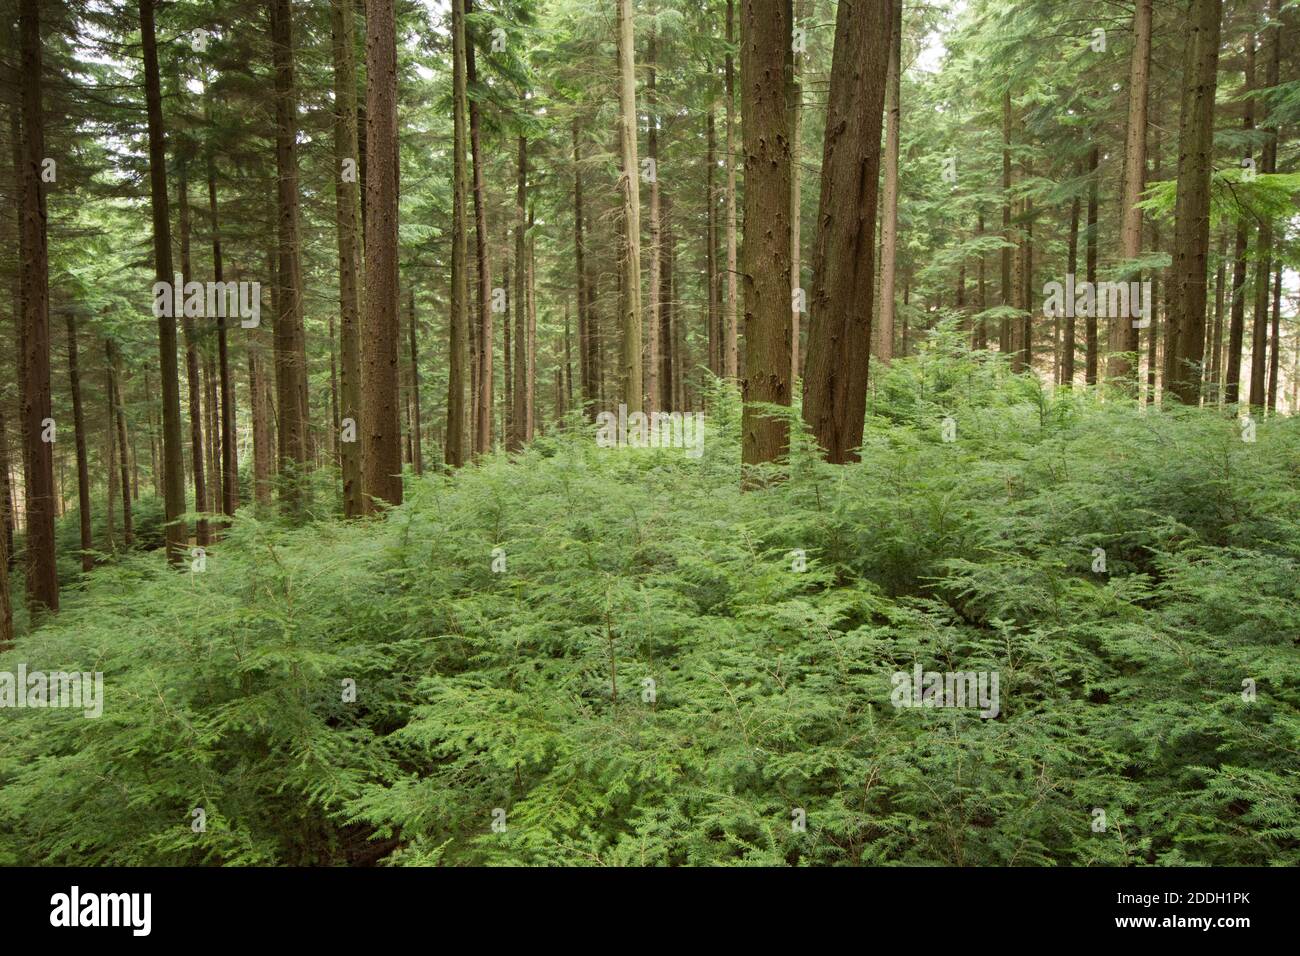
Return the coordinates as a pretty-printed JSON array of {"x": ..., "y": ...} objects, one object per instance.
[{"x": 315, "y": 312}]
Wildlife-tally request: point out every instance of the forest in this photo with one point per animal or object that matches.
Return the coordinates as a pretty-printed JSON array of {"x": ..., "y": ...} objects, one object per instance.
[{"x": 650, "y": 433}]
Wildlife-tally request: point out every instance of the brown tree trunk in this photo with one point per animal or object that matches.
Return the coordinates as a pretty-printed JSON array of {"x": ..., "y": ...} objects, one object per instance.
[
  {"x": 381, "y": 428},
  {"x": 1090, "y": 320},
  {"x": 1122, "y": 343},
  {"x": 889, "y": 222},
  {"x": 486, "y": 333},
  {"x": 346, "y": 202},
  {"x": 1069, "y": 347},
  {"x": 653, "y": 313},
  {"x": 630, "y": 262},
  {"x": 117, "y": 412},
  {"x": 1004, "y": 338},
  {"x": 711, "y": 248},
  {"x": 519, "y": 411},
  {"x": 83, "y": 466},
  {"x": 197, "y": 455},
  {"x": 417, "y": 451},
  {"x": 1264, "y": 251},
  {"x": 1275, "y": 342},
  {"x": 839, "y": 322},
  {"x": 290, "y": 343},
  {"x": 40, "y": 499},
  {"x": 458, "y": 412},
  {"x": 585, "y": 370},
  {"x": 764, "y": 64},
  {"x": 258, "y": 388},
  {"x": 1185, "y": 328}
]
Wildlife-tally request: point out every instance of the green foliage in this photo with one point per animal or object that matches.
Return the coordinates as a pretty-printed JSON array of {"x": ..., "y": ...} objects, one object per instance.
[{"x": 524, "y": 689}]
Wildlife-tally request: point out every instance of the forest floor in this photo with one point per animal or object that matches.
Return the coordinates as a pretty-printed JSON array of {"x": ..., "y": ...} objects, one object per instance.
[{"x": 586, "y": 655}]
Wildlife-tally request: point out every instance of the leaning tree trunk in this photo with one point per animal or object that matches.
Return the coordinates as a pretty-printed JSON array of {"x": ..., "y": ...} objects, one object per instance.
[
  {"x": 839, "y": 322},
  {"x": 764, "y": 61}
]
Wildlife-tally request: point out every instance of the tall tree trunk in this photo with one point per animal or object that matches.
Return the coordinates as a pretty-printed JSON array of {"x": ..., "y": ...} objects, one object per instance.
[
  {"x": 653, "y": 313},
  {"x": 1069, "y": 348},
  {"x": 1123, "y": 338},
  {"x": 519, "y": 411},
  {"x": 1090, "y": 320},
  {"x": 711, "y": 247},
  {"x": 382, "y": 455},
  {"x": 980, "y": 333},
  {"x": 1004, "y": 338},
  {"x": 839, "y": 321},
  {"x": 1276, "y": 338},
  {"x": 458, "y": 414},
  {"x": 486, "y": 333},
  {"x": 796, "y": 199},
  {"x": 83, "y": 466},
  {"x": 585, "y": 370},
  {"x": 630, "y": 263},
  {"x": 765, "y": 62},
  {"x": 1185, "y": 335},
  {"x": 346, "y": 201},
  {"x": 1264, "y": 250},
  {"x": 40, "y": 500},
  {"x": 1213, "y": 392},
  {"x": 531, "y": 290},
  {"x": 258, "y": 389},
  {"x": 667, "y": 345},
  {"x": 417, "y": 454},
  {"x": 290, "y": 343},
  {"x": 117, "y": 413},
  {"x": 507, "y": 368},
  {"x": 197, "y": 470},
  {"x": 889, "y": 223}
]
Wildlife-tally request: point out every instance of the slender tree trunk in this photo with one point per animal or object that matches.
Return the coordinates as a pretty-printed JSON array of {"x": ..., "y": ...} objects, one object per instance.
[
  {"x": 258, "y": 389},
  {"x": 1070, "y": 346},
  {"x": 1213, "y": 390},
  {"x": 290, "y": 343},
  {"x": 653, "y": 313},
  {"x": 486, "y": 332},
  {"x": 630, "y": 263},
  {"x": 1123, "y": 338},
  {"x": 1264, "y": 251},
  {"x": 667, "y": 345},
  {"x": 117, "y": 412},
  {"x": 889, "y": 224},
  {"x": 1184, "y": 342},
  {"x": 417, "y": 454},
  {"x": 201, "y": 531},
  {"x": 839, "y": 324},
  {"x": 1276, "y": 340},
  {"x": 731, "y": 345},
  {"x": 507, "y": 368},
  {"x": 382, "y": 453},
  {"x": 346, "y": 202},
  {"x": 980, "y": 333},
  {"x": 711, "y": 247},
  {"x": 458, "y": 414},
  {"x": 40, "y": 499},
  {"x": 83, "y": 466},
  {"x": 580, "y": 276},
  {"x": 796, "y": 200},
  {"x": 1004, "y": 338},
  {"x": 1090, "y": 320},
  {"x": 519, "y": 411}
]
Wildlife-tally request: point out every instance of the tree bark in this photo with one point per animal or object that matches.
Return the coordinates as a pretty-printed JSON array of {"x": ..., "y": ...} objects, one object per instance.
[
  {"x": 458, "y": 413},
  {"x": 630, "y": 263},
  {"x": 197, "y": 470},
  {"x": 889, "y": 224},
  {"x": 40, "y": 499},
  {"x": 382, "y": 453},
  {"x": 1090, "y": 320},
  {"x": 519, "y": 410},
  {"x": 83, "y": 466},
  {"x": 1185, "y": 328},
  {"x": 346, "y": 202},
  {"x": 839, "y": 327},
  {"x": 1123, "y": 338},
  {"x": 486, "y": 332},
  {"x": 765, "y": 60},
  {"x": 1264, "y": 250}
]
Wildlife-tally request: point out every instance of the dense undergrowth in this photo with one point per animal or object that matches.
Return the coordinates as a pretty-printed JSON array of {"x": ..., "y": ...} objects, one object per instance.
[{"x": 525, "y": 690}]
